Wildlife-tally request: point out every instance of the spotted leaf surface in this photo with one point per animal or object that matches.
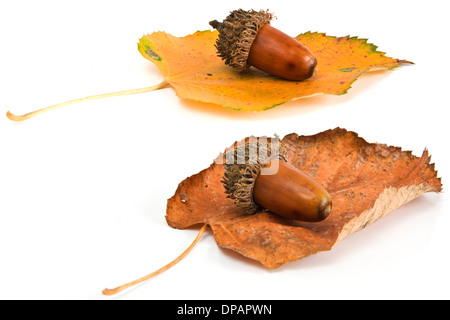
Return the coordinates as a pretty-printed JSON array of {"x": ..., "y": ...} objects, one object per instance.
[{"x": 366, "y": 181}]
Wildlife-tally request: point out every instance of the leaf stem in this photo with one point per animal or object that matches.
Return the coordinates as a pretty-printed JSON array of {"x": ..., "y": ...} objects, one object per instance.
[
  {"x": 23, "y": 117},
  {"x": 110, "y": 292}
]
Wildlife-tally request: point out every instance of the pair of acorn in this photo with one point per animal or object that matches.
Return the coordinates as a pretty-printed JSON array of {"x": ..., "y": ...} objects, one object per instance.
[{"x": 247, "y": 39}]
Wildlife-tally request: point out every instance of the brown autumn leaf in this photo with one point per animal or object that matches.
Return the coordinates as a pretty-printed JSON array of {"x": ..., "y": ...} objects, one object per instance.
[
  {"x": 365, "y": 180},
  {"x": 191, "y": 66}
]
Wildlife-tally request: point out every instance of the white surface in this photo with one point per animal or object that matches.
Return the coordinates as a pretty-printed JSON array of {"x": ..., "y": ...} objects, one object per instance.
[{"x": 83, "y": 189}]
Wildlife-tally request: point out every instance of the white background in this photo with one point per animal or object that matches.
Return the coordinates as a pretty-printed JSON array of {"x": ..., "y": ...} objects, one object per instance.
[{"x": 83, "y": 189}]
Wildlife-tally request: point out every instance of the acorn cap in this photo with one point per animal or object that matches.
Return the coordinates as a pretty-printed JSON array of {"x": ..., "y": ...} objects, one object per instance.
[
  {"x": 242, "y": 165},
  {"x": 236, "y": 35}
]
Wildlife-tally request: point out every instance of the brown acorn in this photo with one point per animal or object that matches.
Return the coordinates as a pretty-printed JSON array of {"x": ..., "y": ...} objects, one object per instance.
[
  {"x": 246, "y": 39},
  {"x": 285, "y": 191}
]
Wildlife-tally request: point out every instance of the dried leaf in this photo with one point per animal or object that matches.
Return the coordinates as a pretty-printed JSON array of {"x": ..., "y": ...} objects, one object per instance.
[
  {"x": 365, "y": 180},
  {"x": 191, "y": 66}
]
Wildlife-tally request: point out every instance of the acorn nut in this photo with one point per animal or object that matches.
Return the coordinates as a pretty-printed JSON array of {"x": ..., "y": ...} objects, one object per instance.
[
  {"x": 246, "y": 39},
  {"x": 287, "y": 192}
]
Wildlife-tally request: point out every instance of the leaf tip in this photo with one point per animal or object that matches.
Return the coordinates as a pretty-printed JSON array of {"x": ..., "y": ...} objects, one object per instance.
[{"x": 400, "y": 61}]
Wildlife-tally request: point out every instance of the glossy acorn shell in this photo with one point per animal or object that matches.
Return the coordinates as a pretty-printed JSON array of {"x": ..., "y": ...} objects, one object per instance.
[
  {"x": 292, "y": 194},
  {"x": 278, "y": 54}
]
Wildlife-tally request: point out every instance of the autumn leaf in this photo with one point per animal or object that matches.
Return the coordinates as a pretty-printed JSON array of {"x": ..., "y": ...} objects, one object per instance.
[
  {"x": 366, "y": 181},
  {"x": 191, "y": 66}
]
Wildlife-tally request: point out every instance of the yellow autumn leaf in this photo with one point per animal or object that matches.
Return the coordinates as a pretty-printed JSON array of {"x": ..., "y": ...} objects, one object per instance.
[{"x": 191, "y": 66}]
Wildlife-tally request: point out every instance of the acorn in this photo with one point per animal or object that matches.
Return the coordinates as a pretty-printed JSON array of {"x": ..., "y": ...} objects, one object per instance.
[
  {"x": 282, "y": 189},
  {"x": 246, "y": 39}
]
